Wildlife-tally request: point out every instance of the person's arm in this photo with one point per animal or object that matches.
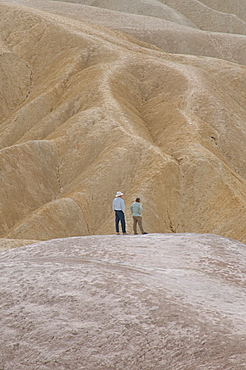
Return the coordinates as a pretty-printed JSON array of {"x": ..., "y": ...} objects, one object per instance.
[{"x": 122, "y": 205}]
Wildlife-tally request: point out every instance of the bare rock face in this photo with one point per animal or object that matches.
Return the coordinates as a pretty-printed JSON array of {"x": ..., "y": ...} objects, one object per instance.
[
  {"x": 156, "y": 301},
  {"x": 95, "y": 100}
]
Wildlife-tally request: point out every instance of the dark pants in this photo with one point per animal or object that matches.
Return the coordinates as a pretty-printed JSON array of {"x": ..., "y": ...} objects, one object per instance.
[{"x": 120, "y": 217}]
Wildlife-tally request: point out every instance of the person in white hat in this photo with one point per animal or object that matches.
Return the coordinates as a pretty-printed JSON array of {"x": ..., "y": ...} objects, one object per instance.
[{"x": 119, "y": 209}]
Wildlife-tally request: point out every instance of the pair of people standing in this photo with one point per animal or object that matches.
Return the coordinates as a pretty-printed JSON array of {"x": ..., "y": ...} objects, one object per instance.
[{"x": 119, "y": 209}]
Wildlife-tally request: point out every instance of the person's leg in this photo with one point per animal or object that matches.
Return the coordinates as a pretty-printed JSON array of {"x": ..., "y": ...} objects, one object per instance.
[
  {"x": 140, "y": 224},
  {"x": 117, "y": 219},
  {"x": 123, "y": 222},
  {"x": 134, "y": 224}
]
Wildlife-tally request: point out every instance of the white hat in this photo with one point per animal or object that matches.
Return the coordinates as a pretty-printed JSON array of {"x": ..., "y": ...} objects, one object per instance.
[{"x": 119, "y": 193}]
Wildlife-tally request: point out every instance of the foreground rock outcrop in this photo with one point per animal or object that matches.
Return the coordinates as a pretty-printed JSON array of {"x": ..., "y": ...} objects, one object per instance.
[
  {"x": 86, "y": 110},
  {"x": 156, "y": 301}
]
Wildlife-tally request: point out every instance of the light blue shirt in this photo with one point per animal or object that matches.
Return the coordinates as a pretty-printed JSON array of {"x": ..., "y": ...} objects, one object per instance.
[{"x": 118, "y": 204}]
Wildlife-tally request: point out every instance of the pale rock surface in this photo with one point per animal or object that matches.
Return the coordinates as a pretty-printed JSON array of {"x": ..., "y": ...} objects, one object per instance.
[
  {"x": 209, "y": 18},
  {"x": 213, "y": 15},
  {"x": 170, "y": 33},
  {"x": 156, "y": 301},
  {"x": 87, "y": 110},
  {"x": 150, "y": 8}
]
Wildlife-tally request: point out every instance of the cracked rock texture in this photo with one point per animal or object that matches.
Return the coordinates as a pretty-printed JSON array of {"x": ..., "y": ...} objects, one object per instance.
[
  {"x": 157, "y": 301},
  {"x": 147, "y": 97}
]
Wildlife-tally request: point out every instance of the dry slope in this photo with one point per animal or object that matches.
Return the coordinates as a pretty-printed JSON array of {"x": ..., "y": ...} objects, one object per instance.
[{"x": 86, "y": 111}]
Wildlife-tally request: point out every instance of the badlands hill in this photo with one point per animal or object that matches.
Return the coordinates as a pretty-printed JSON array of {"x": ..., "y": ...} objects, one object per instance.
[
  {"x": 147, "y": 97},
  {"x": 163, "y": 302}
]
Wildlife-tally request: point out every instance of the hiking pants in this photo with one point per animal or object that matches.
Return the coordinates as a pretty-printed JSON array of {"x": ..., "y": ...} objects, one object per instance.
[
  {"x": 137, "y": 220},
  {"x": 120, "y": 217}
]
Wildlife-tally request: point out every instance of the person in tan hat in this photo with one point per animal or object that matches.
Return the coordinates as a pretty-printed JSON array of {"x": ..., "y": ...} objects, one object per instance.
[{"x": 119, "y": 209}]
